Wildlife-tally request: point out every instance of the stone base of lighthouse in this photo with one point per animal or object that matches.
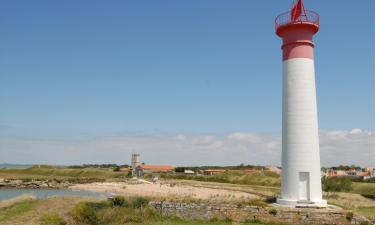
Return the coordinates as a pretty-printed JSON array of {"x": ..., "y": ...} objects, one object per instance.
[{"x": 302, "y": 204}]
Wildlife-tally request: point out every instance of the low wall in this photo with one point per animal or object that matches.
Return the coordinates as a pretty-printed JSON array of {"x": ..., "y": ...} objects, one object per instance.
[{"x": 268, "y": 214}]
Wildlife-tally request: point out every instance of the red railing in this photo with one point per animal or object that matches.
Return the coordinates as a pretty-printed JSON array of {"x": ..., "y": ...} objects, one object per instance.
[{"x": 307, "y": 17}]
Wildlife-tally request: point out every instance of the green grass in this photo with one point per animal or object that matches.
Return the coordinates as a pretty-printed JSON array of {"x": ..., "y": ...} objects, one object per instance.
[
  {"x": 16, "y": 210},
  {"x": 365, "y": 189},
  {"x": 265, "y": 178},
  {"x": 176, "y": 221},
  {"x": 52, "y": 219},
  {"x": 105, "y": 213},
  {"x": 366, "y": 211},
  {"x": 60, "y": 173}
]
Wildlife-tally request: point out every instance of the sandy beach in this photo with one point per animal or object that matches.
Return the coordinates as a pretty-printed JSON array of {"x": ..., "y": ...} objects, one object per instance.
[{"x": 169, "y": 190}]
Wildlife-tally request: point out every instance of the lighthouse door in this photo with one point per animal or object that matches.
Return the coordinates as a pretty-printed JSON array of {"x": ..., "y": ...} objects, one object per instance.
[{"x": 304, "y": 184}]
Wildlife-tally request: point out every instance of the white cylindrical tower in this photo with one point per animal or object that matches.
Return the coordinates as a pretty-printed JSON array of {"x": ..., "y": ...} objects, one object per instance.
[
  {"x": 135, "y": 161},
  {"x": 301, "y": 176}
]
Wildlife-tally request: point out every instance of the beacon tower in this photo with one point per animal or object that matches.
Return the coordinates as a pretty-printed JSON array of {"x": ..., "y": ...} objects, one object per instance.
[{"x": 300, "y": 179}]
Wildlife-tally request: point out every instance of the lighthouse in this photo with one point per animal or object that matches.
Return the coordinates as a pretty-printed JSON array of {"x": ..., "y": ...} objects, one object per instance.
[{"x": 300, "y": 180}]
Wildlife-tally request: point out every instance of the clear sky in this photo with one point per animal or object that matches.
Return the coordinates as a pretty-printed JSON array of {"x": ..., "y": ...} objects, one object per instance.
[{"x": 75, "y": 73}]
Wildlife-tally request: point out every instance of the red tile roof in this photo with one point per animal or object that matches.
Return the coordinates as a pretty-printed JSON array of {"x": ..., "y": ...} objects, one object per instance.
[{"x": 157, "y": 167}]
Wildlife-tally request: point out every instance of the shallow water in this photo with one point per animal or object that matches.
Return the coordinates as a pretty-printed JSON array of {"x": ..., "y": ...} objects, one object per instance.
[{"x": 44, "y": 193}]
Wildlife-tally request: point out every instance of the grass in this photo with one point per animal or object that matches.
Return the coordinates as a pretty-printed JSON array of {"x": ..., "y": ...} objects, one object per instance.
[
  {"x": 52, "y": 219},
  {"x": 364, "y": 189},
  {"x": 16, "y": 209},
  {"x": 366, "y": 211},
  {"x": 176, "y": 221},
  {"x": 105, "y": 213},
  {"x": 60, "y": 173},
  {"x": 262, "y": 178}
]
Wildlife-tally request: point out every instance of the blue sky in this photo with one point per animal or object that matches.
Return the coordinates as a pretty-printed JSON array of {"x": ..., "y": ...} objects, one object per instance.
[{"x": 76, "y": 70}]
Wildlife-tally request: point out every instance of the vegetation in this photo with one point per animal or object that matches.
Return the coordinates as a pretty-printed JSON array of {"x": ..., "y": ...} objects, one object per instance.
[
  {"x": 110, "y": 166},
  {"x": 52, "y": 219},
  {"x": 349, "y": 216},
  {"x": 43, "y": 172},
  {"x": 16, "y": 209},
  {"x": 273, "y": 211},
  {"x": 140, "y": 202},
  {"x": 365, "y": 189},
  {"x": 103, "y": 213},
  {"x": 261, "y": 178},
  {"x": 198, "y": 168},
  {"x": 119, "y": 201},
  {"x": 337, "y": 184}
]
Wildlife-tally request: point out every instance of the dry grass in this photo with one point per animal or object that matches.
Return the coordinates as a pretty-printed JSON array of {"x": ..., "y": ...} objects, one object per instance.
[
  {"x": 32, "y": 216},
  {"x": 21, "y": 198}
]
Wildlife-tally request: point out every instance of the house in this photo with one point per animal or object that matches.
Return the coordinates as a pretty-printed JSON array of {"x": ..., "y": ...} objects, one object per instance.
[
  {"x": 151, "y": 169},
  {"x": 211, "y": 172},
  {"x": 125, "y": 169},
  {"x": 274, "y": 169},
  {"x": 369, "y": 169},
  {"x": 250, "y": 171},
  {"x": 336, "y": 173},
  {"x": 189, "y": 172}
]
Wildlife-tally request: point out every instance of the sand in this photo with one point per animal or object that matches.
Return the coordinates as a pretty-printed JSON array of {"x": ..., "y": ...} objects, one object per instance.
[{"x": 164, "y": 190}]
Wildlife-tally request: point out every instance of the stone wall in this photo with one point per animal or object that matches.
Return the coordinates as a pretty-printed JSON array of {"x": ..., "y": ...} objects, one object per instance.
[{"x": 253, "y": 213}]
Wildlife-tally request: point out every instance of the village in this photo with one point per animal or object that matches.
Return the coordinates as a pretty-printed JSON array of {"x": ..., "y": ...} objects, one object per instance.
[{"x": 138, "y": 169}]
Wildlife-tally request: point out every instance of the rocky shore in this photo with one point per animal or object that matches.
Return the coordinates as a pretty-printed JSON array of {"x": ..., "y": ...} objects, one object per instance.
[{"x": 33, "y": 184}]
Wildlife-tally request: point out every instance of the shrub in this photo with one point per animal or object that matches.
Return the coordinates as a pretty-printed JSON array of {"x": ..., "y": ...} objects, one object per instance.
[
  {"x": 83, "y": 213},
  {"x": 119, "y": 201},
  {"x": 140, "y": 202},
  {"x": 337, "y": 184},
  {"x": 273, "y": 212},
  {"x": 52, "y": 219},
  {"x": 228, "y": 220},
  {"x": 258, "y": 202},
  {"x": 97, "y": 205},
  {"x": 349, "y": 216},
  {"x": 118, "y": 215}
]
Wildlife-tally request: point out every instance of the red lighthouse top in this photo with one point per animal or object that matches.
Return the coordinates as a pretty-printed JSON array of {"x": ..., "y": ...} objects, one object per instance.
[{"x": 297, "y": 17}]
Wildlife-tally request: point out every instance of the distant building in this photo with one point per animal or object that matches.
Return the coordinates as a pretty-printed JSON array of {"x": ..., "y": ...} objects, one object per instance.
[
  {"x": 189, "y": 172},
  {"x": 210, "y": 172},
  {"x": 135, "y": 160},
  {"x": 125, "y": 169},
  {"x": 336, "y": 173},
  {"x": 369, "y": 169},
  {"x": 151, "y": 169},
  {"x": 274, "y": 169}
]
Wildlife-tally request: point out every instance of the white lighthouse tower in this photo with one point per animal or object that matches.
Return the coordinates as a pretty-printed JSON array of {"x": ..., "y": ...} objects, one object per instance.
[{"x": 301, "y": 179}]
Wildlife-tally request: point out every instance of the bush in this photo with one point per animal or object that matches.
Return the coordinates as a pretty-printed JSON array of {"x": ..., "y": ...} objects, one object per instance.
[
  {"x": 349, "y": 216},
  {"x": 84, "y": 213},
  {"x": 119, "y": 201},
  {"x": 273, "y": 212},
  {"x": 140, "y": 202},
  {"x": 258, "y": 202},
  {"x": 52, "y": 219},
  {"x": 119, "y": 215},
  {"x": 337, "y": 184}
]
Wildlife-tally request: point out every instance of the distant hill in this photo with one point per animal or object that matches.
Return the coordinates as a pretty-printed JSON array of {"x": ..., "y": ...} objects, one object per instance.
[{"x": 6, "y": 165}]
